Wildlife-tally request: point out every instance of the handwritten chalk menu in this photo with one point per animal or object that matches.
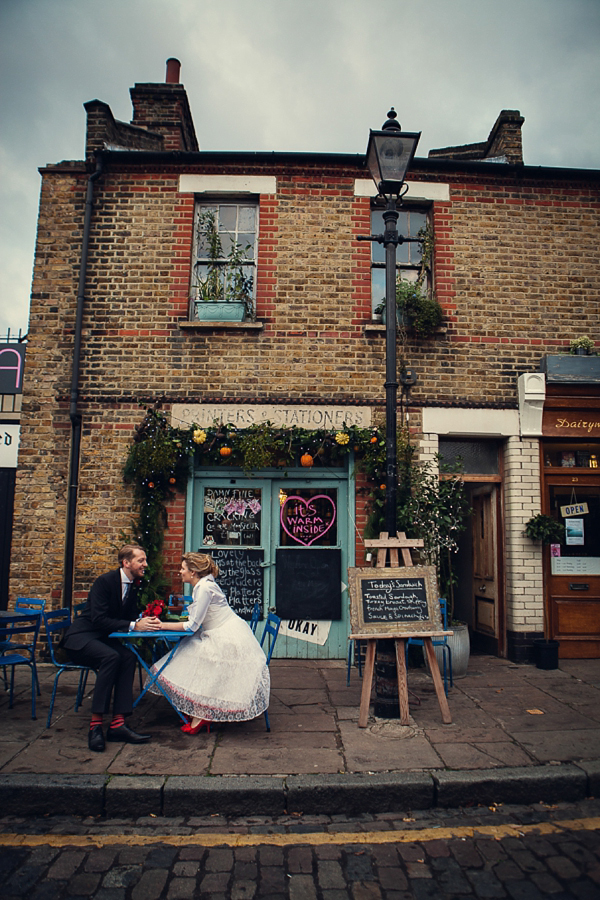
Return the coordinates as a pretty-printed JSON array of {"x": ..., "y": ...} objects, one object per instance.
[
  {"x": 241, "y": 577},
  {"x": 232, "y": 516},
  {"x": 394, "y": 601}
]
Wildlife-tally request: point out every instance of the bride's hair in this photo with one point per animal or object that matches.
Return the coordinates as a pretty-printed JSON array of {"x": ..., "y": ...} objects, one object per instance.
[{"x": 201, "y": 564}]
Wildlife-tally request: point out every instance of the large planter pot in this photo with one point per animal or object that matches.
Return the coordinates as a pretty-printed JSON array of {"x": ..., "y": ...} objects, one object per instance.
[
  {"x": 220, "y": 312},
  {"x": 545, "y": 654},
  {"x": 460, "y": 648},
  {"x": 401, "y": 317}
]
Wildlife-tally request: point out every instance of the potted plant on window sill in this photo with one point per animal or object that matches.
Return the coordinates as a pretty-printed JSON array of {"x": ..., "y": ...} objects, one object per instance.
[
  {"x": 414, "y": 308},
  {"x": 221, "y": 288}
]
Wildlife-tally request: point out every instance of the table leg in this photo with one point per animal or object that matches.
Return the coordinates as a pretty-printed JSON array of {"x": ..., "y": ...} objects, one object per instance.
[
  {"x": 402, "y": 680},
  {"x": 437, "y": 681},
  {"x": 365, "y": 697},
  {"x": 153, "y": 679}
]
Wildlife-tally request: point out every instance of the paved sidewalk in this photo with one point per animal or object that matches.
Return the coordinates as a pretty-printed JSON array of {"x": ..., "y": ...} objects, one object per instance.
[{"x": 519, "y": 734}]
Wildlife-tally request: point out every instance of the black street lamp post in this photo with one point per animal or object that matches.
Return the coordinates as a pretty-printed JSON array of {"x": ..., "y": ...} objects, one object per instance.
[{"x": 389, "y": 155}]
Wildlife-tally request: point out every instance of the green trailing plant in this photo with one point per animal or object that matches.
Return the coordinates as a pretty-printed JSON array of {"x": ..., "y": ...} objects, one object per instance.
[
  {"x": 432, "y": 504},
  {"x": 582, "y": 343},
  {"x": 545, "y": 529},
  {"x": 157, "y": 465},
  {"x": 225, "y": 279},
  {"x": 417, "y": 306}
]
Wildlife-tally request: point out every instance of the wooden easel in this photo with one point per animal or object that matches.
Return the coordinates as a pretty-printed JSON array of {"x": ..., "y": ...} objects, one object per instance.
[{"x": 384, "y": 545}]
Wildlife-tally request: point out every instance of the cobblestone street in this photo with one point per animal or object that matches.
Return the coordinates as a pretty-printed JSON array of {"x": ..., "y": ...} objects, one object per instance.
[{"x": 525, "y": 852}]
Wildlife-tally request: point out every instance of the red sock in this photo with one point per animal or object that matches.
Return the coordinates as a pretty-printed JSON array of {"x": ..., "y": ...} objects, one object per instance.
[
  {"x": 96, "y": 720},
  {"x": 117, "y": 721}
]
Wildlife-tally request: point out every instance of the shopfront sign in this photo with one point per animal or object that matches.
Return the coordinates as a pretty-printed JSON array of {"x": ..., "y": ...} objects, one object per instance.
[
  {"x": 244, "y": 415},
  {"x": 559, "y": 423}
]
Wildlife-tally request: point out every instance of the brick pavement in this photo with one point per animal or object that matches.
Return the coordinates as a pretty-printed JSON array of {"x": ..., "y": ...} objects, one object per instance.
[
  {"x": 518, "y": 733},
  {"x": 472, "y": 856}
]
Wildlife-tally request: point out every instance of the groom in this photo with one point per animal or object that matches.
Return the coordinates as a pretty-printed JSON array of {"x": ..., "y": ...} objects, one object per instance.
[{"x": 111, "y": 606}]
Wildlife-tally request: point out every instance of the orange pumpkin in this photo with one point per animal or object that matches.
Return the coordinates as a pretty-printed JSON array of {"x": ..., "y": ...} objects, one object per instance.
[
  {"x": 225, "y": 451},
  {"x": 306, "y": 460}
]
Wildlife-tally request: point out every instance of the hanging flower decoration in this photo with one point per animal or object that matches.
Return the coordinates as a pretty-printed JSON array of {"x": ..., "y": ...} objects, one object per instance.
[{"x": 158, "y": 466}]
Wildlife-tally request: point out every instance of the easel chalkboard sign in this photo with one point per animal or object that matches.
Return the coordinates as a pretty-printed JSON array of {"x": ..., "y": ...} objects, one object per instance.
[
  {"x": 400, "y": 601},
  {"x": 241, "y": 576}
]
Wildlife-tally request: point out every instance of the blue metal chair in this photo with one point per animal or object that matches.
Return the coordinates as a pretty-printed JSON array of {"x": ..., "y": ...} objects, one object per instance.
[
  {"x": 270, "y": 629},
  {"x": 255, "y": 617},
  {"x": 24, "y": 604},
  {"x": 56, "y": 623},
  {"x": 15, "y": 654},
  {"x": 356, "y": 650},
  {"x": 443, "y": 643}
]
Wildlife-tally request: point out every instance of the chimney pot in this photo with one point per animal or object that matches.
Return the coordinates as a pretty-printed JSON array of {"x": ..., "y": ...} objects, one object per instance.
[{"x": 173, "y": 69}]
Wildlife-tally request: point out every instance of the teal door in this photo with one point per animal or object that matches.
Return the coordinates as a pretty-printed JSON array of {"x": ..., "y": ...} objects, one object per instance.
[
  {"x": 284, "y": 542},
  {"x": 309, "y": 547}
]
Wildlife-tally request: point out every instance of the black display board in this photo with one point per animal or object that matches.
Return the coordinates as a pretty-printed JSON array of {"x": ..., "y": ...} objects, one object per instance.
[
  {"x": 241, "y": 577},
  {"x": 308, "y": 584},
  {"x": 394, "y": 601}
]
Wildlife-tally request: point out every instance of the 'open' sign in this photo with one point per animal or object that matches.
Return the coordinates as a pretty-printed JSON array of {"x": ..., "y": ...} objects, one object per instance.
[{"x": 575, "y": 509}]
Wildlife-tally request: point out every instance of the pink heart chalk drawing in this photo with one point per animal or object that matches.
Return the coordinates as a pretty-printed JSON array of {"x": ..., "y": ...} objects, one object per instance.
[{"x": 304, "y": 520}]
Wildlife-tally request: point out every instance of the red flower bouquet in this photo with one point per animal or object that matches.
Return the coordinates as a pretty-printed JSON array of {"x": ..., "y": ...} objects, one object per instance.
[{"x": 155, "y": 608}]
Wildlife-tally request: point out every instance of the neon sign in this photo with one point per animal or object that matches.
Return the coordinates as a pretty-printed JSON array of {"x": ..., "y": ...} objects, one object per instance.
[{"x": 307, "y": 520}]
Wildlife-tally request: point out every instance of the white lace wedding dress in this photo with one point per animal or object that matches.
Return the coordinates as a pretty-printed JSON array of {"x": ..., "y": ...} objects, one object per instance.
[{"x": 219, "y": 672}]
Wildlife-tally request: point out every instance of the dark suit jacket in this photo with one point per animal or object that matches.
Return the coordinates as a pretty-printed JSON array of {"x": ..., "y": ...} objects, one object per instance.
[{"x": 103, "y": 613}]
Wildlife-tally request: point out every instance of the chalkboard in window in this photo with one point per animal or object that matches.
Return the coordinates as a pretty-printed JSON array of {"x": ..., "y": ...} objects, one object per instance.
[
  {"x": 232, "y": 516},
  {"x": 394, "y": 601},
  {"x": 308, "y": 583},
  {"x": 241, "y": 577}
]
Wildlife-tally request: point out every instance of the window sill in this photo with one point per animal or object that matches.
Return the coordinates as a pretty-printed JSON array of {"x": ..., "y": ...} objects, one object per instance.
[
  {"x": 212, "y": 325},
  {"x": 377, "y": 328}
]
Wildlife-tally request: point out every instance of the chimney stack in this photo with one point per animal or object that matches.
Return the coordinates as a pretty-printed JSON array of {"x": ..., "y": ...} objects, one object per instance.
[{"x": 173, "y": 69}]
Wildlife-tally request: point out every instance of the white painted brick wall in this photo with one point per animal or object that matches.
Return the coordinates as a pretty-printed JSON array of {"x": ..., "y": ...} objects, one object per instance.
[{"x": 523, "y": 557}]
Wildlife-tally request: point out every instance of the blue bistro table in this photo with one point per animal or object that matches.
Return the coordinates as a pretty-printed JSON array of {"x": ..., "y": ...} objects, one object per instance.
[{"x": 171, "y": 637}]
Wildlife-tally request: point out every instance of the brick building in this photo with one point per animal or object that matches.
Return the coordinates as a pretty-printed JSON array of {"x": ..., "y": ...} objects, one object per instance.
[{"x": 516, "y": 268}]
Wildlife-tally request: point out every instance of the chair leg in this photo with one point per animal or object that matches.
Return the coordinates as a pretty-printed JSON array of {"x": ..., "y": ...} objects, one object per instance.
[
  {"x": 267, "y": 723},
  {"x": 350, "y": 645},
  {"x": 81, "y": 688},
  {"x": 53, "y": 697},
  {"x": 33, "y": 684}
]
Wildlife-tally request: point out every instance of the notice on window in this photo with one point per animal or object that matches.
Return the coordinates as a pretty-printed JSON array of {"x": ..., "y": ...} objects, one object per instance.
[
  {"x": 574, "y": 533},
  {"x": 306, "y": 630},
  {"x": 576, "y": 565}
]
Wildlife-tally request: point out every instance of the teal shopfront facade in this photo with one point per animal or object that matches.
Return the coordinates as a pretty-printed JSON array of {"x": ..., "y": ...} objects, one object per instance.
[{"x": 286, "y": 539}]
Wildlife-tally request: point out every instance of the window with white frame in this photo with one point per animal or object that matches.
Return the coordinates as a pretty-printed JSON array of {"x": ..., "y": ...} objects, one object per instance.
[
  {"x": 224, "y": 253},
  {"x": 409, "y": 256}
]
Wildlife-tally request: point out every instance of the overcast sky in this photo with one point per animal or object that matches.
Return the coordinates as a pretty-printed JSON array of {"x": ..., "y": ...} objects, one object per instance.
[{"x": 304, "y": 75}]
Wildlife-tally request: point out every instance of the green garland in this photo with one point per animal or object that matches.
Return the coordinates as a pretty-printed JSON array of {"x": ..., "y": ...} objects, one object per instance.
[{"x": 159, "y": 461}]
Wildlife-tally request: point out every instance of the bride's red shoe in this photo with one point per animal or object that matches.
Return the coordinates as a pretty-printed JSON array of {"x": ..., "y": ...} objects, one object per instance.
[{"x": 188, "y": 728}]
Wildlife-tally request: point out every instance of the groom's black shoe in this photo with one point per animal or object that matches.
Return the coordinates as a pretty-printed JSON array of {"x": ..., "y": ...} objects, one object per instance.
[
  {"x": 96, "y": 739},
  {"x": 123, "y": 733}
]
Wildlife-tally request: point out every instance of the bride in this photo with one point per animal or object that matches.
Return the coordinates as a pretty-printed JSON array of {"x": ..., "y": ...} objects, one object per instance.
[{"x": 219, "y": 672}]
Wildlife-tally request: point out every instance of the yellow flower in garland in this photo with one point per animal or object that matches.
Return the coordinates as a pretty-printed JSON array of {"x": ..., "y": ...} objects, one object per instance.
[
  {"x": 199, "y": 436},
  {"x": 342, "y": 438}
]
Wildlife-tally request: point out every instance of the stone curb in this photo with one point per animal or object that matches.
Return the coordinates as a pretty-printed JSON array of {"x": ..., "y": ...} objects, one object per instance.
[
  {"x": 59, "y": 795},
  {"x": 131, "y": 796},
  {"x": 355, "y": 794},
  {"x": 523, "y": 784},
  {"x": 199, "y": 795}
]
